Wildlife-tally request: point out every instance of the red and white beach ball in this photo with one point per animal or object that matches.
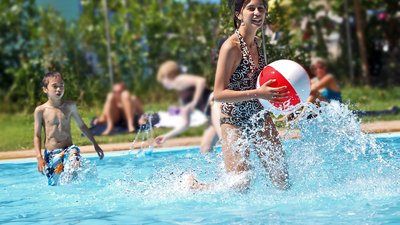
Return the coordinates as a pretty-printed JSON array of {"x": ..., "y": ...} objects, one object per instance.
[{"x": 290, "y": 74}]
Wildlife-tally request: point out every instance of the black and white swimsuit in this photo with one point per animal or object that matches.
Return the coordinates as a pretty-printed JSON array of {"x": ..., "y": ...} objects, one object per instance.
[{"x": 244, "y": 78}]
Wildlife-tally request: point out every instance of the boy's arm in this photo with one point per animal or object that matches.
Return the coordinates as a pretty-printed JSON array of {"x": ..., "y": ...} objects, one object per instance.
[
  {"x": 37, "y": 139},
  {"x": 85, "y": 130}
]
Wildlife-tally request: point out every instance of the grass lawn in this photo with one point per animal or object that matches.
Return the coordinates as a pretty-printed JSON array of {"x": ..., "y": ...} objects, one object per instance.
[
  {"x": 365, "y": 98},
  {"x": 17, "y": 132},
  {"x": 17, "y": 129}
]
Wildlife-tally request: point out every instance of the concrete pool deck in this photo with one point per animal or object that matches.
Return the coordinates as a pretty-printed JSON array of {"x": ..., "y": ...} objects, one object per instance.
[{"x": 371, "y": 128}]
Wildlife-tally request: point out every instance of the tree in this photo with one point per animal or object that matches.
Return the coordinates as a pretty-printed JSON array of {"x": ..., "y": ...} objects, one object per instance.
[
  {"x": 40, "y": 41},
  {"x": 361, "y": 41}
]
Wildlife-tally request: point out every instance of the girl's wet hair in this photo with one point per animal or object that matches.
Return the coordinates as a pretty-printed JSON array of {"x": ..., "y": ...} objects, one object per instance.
[
  {"x": 236, "y": 7},
  {"x": 47, "y": 76}
]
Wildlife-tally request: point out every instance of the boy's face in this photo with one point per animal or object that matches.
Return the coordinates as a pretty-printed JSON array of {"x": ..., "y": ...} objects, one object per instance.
[{"x": 55, "y": 88}]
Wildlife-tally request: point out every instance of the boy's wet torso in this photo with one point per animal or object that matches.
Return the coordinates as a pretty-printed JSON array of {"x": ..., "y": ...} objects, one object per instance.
[{"x": 57, "y": 125}]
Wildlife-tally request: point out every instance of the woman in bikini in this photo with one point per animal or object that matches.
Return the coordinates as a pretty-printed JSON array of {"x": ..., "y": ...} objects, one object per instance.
[{"x": 240, "y": 61}]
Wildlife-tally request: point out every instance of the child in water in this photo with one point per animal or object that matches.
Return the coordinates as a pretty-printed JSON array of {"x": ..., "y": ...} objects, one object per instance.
[
  {"x": 55, "y": 117},
  {"x": 240, "y": 61}
]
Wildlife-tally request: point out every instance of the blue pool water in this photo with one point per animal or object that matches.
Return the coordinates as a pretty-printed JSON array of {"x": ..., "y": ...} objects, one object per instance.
[{"x": 337, "y": 176}]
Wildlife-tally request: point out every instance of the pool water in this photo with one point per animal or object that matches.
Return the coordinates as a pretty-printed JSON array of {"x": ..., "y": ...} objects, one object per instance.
[{"x": 337, "y": 176}]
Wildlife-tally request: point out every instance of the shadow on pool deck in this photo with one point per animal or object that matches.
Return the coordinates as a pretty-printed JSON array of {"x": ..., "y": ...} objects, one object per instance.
[{"x": 373, "y": 127}]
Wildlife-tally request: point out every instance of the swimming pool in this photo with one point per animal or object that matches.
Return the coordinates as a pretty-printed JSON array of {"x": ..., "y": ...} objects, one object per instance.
[
  {"x": 146, "y": 189},
  {"x": 337, "y": 175}
]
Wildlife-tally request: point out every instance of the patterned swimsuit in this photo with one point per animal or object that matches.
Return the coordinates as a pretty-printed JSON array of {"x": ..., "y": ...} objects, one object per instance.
[
  {"x": 244, "y": 78},
  {"x": 59, "y": 159}
]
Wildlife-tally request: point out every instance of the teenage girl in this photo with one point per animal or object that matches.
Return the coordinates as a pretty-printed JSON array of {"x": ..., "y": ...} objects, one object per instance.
[{"x": 240, "y": 61}]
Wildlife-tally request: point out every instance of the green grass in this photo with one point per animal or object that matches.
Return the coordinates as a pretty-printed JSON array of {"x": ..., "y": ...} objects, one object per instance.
[
  {"x": 366, "y": 98},
  {"x": 17, "y": 129}
]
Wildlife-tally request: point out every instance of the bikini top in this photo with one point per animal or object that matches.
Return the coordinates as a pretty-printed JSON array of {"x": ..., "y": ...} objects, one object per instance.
[
  {"x": 245, "y": 75},
  {"x": 244, "y": 78},
  {"x": 331, "y": 94}
]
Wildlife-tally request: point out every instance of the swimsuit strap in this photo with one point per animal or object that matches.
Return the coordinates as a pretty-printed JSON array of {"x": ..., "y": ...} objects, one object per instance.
[{"x": 246, "y": 52}]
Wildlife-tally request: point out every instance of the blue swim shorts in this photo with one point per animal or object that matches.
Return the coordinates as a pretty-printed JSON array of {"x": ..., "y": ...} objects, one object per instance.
[{"x": 57, "y": 159}]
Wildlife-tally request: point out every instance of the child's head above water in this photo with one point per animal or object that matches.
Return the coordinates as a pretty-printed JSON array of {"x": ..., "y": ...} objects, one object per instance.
[
  {"x": 53, "y": 85},
  {"x": 168, "y": 69}
]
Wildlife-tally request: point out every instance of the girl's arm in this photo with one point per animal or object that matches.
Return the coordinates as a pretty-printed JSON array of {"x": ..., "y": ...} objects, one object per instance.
[
  {"x": 229, "y": 58},
  {"x": 182, "y": 126}
]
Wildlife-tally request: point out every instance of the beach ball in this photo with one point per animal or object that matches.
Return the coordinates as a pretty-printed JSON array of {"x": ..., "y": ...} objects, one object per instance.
[{"x": 290, "y": 74}]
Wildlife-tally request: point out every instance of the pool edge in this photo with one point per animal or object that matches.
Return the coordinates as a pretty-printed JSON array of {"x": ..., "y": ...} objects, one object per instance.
[
  {"x": 112, "y": 153},
  {"x": 184, "y": 147}
]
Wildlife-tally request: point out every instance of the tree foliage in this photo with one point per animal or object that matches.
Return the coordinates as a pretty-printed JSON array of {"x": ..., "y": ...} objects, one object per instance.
[
  {"x": 35, "y": 40},
  {"x": 143, "y": 34}
]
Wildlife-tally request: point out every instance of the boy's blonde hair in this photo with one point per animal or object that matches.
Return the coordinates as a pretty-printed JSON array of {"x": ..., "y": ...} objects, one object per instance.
[{"x": 169, "y": 69}]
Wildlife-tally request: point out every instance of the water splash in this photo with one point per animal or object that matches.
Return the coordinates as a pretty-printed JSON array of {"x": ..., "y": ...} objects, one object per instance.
[
  {"x": 146, "y": 135},
  {"x": 82, "y": 172},
  {"x": 335, "y": 129},
  {"x": 337, "y": 173},
  {"x": 332, "y": 152},
  {"x": 333, "y": 159}
]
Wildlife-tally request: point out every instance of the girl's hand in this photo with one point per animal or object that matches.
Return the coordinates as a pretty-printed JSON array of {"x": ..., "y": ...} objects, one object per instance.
[
  {"x": 160, "y": 140},
  {"x": 278, "y": 94}
]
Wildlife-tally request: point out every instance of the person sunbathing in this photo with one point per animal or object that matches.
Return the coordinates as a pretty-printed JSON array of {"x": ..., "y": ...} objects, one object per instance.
[
  {"x": 324, "y": 85},
  {"x": 121, "y": 108}
]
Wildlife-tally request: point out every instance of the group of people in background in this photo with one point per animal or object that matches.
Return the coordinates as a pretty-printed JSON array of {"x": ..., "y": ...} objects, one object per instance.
[
  {"x": 124, "y": 109},
  {"x": 240, "y": 61},
  {"x": 230, "y": 107}
]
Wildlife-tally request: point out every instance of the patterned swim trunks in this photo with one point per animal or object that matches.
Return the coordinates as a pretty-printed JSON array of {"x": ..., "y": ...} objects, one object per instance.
[{"x": 57, "y": 160}]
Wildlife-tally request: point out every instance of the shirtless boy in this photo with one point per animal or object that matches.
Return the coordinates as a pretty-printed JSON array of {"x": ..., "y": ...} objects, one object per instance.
[{"x": 55, "y": 117}]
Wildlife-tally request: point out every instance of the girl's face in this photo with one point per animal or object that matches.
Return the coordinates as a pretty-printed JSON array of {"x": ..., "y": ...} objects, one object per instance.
[
  {"x": 167, "y": 83},
  {"x": 319, "y": 70},
  {"x": 253, "y": 14}
]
